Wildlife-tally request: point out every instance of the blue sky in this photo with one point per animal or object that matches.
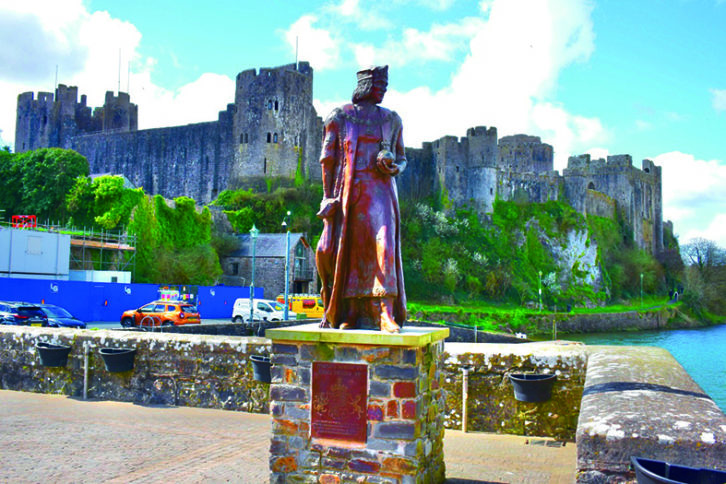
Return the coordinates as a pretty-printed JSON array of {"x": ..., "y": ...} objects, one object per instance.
[{"x": 645, "y": 77}]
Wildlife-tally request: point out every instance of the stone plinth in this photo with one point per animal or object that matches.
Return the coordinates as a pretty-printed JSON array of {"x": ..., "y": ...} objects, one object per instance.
[{"x": 395, "y": 378}]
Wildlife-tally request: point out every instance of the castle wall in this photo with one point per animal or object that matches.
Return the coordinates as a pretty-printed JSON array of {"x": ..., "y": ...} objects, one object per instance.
[
  {"x": 636, "y": 192},
  {"x": 597, "y": 203},
  {"x": 183, "y": 160},
  {"x": 272, "y": 128},
  {"x": 419, "y": 180},
  {"x": 529, "y": 186}
]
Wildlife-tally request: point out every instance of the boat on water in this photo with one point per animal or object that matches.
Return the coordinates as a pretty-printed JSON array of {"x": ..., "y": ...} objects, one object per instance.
[{"x": 649, "y": 471}]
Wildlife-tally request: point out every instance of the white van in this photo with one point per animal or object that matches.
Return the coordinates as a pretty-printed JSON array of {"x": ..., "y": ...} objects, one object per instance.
[{"x": 264, "y": 310}]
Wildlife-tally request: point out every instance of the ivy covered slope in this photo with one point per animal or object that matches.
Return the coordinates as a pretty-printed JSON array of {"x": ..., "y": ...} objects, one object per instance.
[
  {"x": 173, "y": 238},
  {"x": 583, "y": 260}
]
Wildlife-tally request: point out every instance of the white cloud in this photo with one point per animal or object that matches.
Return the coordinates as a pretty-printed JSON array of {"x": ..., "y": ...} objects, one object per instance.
[
  {"x": 597, "y": 153},
  {"x": 510, "y": 71},
  {"x": 370, "y": 16},
  {"x": 440, "y": 43},
  {"x": 718, "y": 99},
  {"x": 317, "y": 45},
  {"x": 694, "y": 195},
  {"x": 86, "y": 48},
  {"x": 195, "y": 102},
  {"x": 716, "y": 231}
]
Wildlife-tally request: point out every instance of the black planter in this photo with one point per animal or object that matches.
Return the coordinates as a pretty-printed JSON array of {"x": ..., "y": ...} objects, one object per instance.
[
  {"x": 532, "y": 387},
  {"x": 649, "y": 471},
  {"x": 261, "y": 368},
  {"x": 52, "y": 355},
  {"x": 118, "y": 360}
]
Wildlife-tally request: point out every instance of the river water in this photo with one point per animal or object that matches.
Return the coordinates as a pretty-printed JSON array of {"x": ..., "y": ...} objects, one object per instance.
[{"x": 702, "y": 352}]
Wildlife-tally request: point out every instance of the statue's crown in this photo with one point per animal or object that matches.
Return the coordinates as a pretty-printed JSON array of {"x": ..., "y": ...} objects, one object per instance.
[{"x": 377, "y": 72}]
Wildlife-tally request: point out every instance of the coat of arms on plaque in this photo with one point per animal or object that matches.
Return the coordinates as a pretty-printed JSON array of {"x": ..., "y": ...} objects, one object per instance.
[{"x": 339, "y": 401}]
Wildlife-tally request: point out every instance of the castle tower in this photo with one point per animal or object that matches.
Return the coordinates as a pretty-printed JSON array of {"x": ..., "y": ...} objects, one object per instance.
[
  {"x": 637, "y": 193},
  {"x": 53, "y": 120},
  {"x": 36, "y": 123},
  {"x": 522, "y": 154},
  {"x": 275, "y": 125},
  {"x": 119, "y": 113}
]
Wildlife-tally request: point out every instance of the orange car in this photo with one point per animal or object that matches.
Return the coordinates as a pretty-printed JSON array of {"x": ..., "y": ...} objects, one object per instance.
[{"x": 161, "y": 313}]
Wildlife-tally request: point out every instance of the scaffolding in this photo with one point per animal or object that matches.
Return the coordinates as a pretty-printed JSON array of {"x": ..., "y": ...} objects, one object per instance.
[{"x": 102, "y": 251}]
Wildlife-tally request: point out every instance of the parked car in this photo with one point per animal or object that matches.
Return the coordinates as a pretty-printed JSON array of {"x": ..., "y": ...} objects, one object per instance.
[
  {"x": 22, "y": 314},
  {"x": 58, "y": 317},
  {"x": 309, "y": 304},
  {"x": 264, "y": 310},
  {"x": 161, "y": 313}
]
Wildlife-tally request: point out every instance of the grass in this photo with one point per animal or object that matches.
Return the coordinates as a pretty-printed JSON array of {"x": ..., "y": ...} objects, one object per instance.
[
  {"x": 512, "y": 318},
  {"x": 649, "y": 303}
]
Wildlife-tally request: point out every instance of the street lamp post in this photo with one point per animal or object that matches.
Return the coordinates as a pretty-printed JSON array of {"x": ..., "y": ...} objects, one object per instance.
[
  {"x": 641, "y": 289},
  {"x": 287, "y": 265},
  {"x": 540, "y": 291},
  {"x": 254, "y": 232}
]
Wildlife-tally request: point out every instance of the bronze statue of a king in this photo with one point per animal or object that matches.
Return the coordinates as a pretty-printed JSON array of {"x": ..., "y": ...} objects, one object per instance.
[{"x": 359, "y": 253}]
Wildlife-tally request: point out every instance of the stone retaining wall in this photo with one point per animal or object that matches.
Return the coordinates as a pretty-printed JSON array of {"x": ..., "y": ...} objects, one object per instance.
[
  {"x": 187, "y": 370},
  {"x": 636, "y": 400},
  {"x": 491, "y": 404}
]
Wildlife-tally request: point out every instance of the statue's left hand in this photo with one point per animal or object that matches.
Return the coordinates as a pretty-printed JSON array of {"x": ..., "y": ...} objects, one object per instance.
[{"x": 386, "y": 164}]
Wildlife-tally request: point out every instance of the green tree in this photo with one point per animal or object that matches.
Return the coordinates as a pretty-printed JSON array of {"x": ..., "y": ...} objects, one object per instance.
[
  {"x": 48, "y": 174},
  {"x": 102, "y": 203},
  {"x": 10, "y": 185}
]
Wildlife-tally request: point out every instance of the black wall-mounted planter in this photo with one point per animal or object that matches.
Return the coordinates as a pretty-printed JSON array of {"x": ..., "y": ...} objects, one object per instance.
[
  {"x": 648, "y": 471},
  {"x": 261, "y": 368},
  {"x": 532, "y": 387},
  {"x": 118, "y": 360},
  {"x": 51, "y": 355}
]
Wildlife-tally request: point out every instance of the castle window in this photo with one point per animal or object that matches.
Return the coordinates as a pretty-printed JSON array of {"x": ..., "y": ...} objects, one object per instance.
[
  {"x": 241, "y": 138},
  {"x": 235, "y": 268},
  {"x": 269, "y": 104},
  {"x": 276, "y": 105},
  {"x": 269, "y": 137},
  {"x": 45, "y": 119},
  {"x": 591, "y": 186},
  {"x": 247, "y": 138},
  {"x": 491, "y": 191},
  {"x": 457, "y": 169},
  {"x": 264, "y": 166},
  {"x": 274, "y": 138},
  {"x": 647, "y": 170}
]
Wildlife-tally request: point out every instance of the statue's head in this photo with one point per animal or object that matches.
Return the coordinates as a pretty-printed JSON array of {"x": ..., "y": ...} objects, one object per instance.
[{"x": 372, "y": 85}]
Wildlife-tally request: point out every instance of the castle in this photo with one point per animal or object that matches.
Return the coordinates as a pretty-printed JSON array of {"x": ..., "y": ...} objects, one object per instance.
[{"x": 272, "y": 129}]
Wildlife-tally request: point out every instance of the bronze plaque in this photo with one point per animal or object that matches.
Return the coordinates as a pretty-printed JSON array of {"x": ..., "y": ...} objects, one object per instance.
[{"x": 340, "y": 401}]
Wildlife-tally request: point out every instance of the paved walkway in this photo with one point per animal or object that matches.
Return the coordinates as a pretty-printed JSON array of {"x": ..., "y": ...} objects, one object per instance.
[{"x": 53, "y": 438}]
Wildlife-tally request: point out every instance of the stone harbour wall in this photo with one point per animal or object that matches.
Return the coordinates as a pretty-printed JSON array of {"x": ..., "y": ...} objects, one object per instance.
[
  {"x": 172, "y": 369},
  {"x": 638, "y": 401},
  {"x": 491, "y": 406}
]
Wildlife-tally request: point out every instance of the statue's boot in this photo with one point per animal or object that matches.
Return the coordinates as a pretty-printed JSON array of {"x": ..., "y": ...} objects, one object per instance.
[{"x": 387, "y": 323}]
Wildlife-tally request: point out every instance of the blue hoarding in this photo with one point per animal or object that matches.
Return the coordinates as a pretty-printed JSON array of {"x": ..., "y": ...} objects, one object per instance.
[{"x": 106, "y": 301}]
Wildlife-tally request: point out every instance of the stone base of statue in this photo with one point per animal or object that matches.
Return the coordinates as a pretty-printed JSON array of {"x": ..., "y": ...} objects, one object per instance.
[{"x": 356, "y": 406}]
